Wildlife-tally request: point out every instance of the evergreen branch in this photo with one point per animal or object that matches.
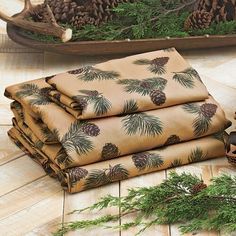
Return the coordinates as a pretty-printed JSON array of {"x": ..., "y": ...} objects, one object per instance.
[
  {"x": 182, "y": 199},
  {"x": 143, "y": 124},
  {"x": 90, "y": 73},
  {"x": 130, "y": 106}
]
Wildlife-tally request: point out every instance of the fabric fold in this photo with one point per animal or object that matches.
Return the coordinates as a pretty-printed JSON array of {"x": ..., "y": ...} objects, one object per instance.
[
  {"x": 77, "y": 179},
  {"x": 150, "y": 81},
  {"x": 117, "y": 119}
]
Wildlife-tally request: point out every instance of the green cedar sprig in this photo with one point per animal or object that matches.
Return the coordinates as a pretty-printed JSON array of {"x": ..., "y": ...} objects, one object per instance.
[{"x": 182, "y": 199}]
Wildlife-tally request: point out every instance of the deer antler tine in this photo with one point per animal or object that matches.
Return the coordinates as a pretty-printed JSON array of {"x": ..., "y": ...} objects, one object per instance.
[
  {"x": 49, "y": 28},
  {"x": 28, "y": 4},
  {"x": 51, "y": 17}
]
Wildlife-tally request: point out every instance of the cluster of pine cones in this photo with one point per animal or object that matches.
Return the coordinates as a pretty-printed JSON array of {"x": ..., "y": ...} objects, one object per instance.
[
  {"x": 208, "y": 11},
  {"x": 79, "y": 12}
]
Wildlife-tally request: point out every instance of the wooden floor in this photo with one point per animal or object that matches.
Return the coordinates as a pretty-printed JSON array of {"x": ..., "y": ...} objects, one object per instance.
[{"x": 32, "y": 203}]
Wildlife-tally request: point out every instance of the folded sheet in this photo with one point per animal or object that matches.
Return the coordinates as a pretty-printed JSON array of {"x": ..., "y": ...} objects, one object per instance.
[
  {"x": 77, "y": 179},
  {"x": 95, "y": 140},
  {"x": 146, "y": 81},
  {"x": 118, "y": 119}
]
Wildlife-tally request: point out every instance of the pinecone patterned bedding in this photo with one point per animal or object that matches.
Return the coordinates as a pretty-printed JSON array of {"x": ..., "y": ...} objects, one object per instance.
[{"x": 164, "y": 117}]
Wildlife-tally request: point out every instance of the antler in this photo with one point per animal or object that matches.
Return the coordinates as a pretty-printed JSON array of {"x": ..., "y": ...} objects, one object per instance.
[{"x": 50, "y": 27}]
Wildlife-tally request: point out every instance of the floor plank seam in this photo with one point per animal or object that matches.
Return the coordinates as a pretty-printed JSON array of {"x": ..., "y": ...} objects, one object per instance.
[
  {"x": 29, "y": 206},
  {"x": 22, "y": 185},
  {"x": 13, "y": 159}
]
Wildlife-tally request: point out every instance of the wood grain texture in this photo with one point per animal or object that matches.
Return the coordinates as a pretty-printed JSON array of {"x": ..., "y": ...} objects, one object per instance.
[
  {"x": 122, "y": 46},
  {"x": 85, "y": 199},
  {"x": 17, "y": 173},
  {"x": 8, "y": 150}
]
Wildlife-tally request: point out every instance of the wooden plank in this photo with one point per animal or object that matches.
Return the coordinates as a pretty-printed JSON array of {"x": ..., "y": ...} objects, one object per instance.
[
  {"x": 17, "y": 173},
  {"x": 87, "y": 198},
  {"x": 8, "y": 150},
  {"x": 143, "y": 181},
  {"x": 201, "y": 169},
  {"x": 30, "y": 66},
  {"x": 39, "y": 214},
  {"x": 5, "y": 114},
  {"x": 56, "y": 64},
  {"x": 9, "y": 46},
  {"x": 28, "y": 195}
]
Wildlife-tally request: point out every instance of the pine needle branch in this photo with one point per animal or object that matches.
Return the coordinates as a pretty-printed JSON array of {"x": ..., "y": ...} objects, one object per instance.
[{"x": 182, "y": 199}]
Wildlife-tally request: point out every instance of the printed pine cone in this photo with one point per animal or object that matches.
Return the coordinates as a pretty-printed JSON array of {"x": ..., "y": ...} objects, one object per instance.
[
  {"x": 158, "y": 97},
  {"x": 91, "y": 129},
  {"x": 110, "y": 151},
  {"x": 140, "y": 160},
  {"x": 160, "y": 61},
  {"x": 198, "y": 20},
  {"x": 208, "y": 110},
  {"x": 117, "y": 173},
  {"x": 173, "y": 139},
  {"x": 231, "y": 148},
  {"x": 77, "y": 174}
]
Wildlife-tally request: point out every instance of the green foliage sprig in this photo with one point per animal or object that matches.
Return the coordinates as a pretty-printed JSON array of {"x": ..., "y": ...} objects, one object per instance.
[
  {"x": 182, "y": 199},
  {"x": 141, "y": 20}
]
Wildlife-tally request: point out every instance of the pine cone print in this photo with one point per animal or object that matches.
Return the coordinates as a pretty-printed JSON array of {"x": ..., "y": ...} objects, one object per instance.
[
  {"x": 77, "y": 174},
  {"x": 46, "y": 91},
  {"x": 117, "y": 173},
  {"x": 109, "y": 151},
  {"x": 160, "y": 61},
  {"x": 173, "y": 139},
  {"x": 145, "y": 85},
  {"x": 208, "y": 110},
  {"x": 198, "y": 188},
  {"x": 140, "y": 160},
  {"x": 198, "y": 20},
  {"x": 82, "y": 103},
  {"x": 158, "y": 97},
  {"x": 57, "y": 96},
  {"x": 76, "y": 72},
  {"x": 91, "y": 129}
]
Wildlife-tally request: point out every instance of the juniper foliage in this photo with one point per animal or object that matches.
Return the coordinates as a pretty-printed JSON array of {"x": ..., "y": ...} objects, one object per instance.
[{"x": 182, "y": 199}]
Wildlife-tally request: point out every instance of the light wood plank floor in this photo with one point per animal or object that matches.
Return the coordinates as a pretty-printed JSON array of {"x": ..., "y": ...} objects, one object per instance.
[{"x": 31, "y": 203}]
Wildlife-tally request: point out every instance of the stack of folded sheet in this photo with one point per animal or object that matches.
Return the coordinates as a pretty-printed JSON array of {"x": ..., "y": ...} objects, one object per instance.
[{"x": 118, "y": 119}]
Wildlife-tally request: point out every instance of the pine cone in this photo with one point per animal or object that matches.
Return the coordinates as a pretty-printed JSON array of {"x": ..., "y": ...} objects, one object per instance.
[
  {"x": 77, "y": 174},
  {"x": 145, "y": 84},
  {"x": 82, "y": 103},
  {"x": 57, "y": 96},
  {"x": 198, "y": 20},
  {"x": 140, "y": 160},
  {"x": 220, "y": 10},
  {"x": 160, "y": 61},
  {"x": 110, "y": 151},
  {"x": 173, "y": 139},
  {"x": 198, "y": 188},
  {"x": 76, "y": 71},
  {"x": 158, "y": 97},
  {"x": 208, "y": 110},
  {"x": 90, "y": 129},
  {"x": 117, "y": 173}
]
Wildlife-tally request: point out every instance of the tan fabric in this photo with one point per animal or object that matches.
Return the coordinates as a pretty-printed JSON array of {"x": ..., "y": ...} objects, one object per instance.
[
  {"x": 77, "y": 179},
  {"x": 118, "y": 119},
  {"x": 153, "y": 80},
  {"x": 85, "y": 141}
]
